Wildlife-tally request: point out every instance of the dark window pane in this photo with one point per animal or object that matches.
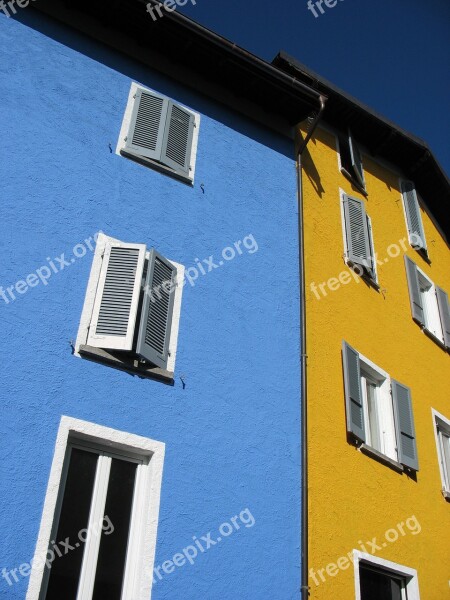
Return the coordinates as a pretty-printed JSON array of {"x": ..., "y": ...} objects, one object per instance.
[
  {"x": 65, "y": 570},
  {"x": 376, "y": 585},
  {"x": 116, "y": 525}
]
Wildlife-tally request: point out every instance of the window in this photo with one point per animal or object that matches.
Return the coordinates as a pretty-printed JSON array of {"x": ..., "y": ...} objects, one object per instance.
[
  {"x": 131, "y": 310},
  {"x": 429, "y": 304},
  {"x": 378, "y": 411},
  {"x": 98, "y": 529},
  {"x": 376, "y": 578},
  {"x": 442, "y": 432},
  {"x": 159, "y": 133},
  {"x": 413, "y": 217},
  {"x": 358, "y": 238},
  {"x": 350, "y": 161}
]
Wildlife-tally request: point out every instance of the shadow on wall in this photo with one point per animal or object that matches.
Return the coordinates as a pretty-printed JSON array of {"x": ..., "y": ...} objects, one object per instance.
[{"x": 130, "y": 67}]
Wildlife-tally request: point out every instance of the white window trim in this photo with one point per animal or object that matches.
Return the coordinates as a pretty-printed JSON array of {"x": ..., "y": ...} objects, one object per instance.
[
  {"x": 437, "y": 319},
  {"x": 91, "y": 291},
  {"x": 127, "y": 119},
  {"x": 412, "y": 585},
  {"x": 385, "y": 408},
  {"x": 146, "y": 510},
  {"x": 443, "y": 423},
  {"x": 375, "y": 282}
]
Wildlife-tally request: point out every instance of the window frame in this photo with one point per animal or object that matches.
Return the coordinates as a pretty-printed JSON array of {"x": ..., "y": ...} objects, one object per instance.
[
  {"x": 381, "y": 564},
  {"x": 431, "y": 313},
  {"x": 145, "y": 513},
  {"x": 153, "y": 164},
  {"x": 441, "y": 427},
  {"x": 384, "y": 408},
  {"x": 341, "y": 139},
  {"x": 110, "y": 358}
]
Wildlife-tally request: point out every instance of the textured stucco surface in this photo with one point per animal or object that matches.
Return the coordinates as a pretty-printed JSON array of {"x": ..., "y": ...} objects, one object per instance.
[
  {"x": 353, "y": 498},
  {"x": 232, "y": 435}
]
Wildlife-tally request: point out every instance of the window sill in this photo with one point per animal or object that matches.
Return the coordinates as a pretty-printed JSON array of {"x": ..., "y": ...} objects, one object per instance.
[
  {"x": 433, "y": 337},
  {"x": 382, "y": 458},
  {"x": 446, "y": 495},
  {"x": 147, "y": 162},
  {"x": 354, "y": 182},
  {"x": 364, "y": 276},
  {"x": 126, "y": 363}
]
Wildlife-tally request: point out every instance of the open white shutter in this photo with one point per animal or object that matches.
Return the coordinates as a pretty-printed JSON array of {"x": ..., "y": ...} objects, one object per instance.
[{"x": 116, "y": 302}]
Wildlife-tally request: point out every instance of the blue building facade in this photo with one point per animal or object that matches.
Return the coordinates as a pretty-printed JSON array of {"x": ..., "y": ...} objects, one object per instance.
[{"x": 230, "y": 419}]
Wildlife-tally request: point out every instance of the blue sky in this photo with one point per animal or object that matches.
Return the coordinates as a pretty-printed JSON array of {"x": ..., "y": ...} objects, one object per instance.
[{"x": 393, "y": 55}]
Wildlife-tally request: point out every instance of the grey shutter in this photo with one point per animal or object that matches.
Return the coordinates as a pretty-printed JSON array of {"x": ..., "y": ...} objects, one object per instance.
[
  {"x": 353, "y": 395},
  {"x": 413, "y": 217},
  {"x": 414, "y": 291},
  {"x": 148, "y": 119},
  {"x": 357, "y": 233},
  {"x": 444, "y": 313},
  {"x": 356, "y": 159},
  {"x": 116, "y": 302},
  {"x": 404, "y": 424},
  {"x": 157, "y": 308},
  {"x": 177, "y": 142}
]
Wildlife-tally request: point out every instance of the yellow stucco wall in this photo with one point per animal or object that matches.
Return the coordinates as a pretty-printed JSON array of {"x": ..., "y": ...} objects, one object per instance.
[{"x": 352, "y": 497}]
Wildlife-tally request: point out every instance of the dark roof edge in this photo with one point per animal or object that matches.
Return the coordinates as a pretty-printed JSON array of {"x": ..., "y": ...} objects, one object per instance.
[
  {"x": 284, "y": 57},
  {"x": 257, "y": 63}
]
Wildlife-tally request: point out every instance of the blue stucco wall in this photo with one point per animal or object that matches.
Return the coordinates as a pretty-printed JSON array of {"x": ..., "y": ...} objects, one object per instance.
[{"x": 232, "y": 434}]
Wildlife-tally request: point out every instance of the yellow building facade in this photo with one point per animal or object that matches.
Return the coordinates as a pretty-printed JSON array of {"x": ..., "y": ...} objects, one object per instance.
[{"x": 375, "y": 520}]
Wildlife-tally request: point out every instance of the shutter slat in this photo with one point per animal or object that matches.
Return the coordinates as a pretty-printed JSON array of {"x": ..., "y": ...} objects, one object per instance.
[
  {"x": 148, "y": 119},
  {"x": 404, "y": 423},
  {"x": 444, "y": 313},
  {"x": 177, "y": 144},
  {"x": 357, "y": 233},
  {"x": 414, "y": 291},
  {"x": 413, "y": 216},
  {"x": 353, "y": 394},
  {"x": 156, "y": 319},
  {"x": 116, "y": 302}
]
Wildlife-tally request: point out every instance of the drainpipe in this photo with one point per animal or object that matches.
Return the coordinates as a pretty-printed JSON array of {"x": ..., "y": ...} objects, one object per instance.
[{"x": 303, "y": 355}]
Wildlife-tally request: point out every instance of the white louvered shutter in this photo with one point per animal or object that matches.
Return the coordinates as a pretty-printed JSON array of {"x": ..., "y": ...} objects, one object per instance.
[
  {"x": 177, "y": 142},
  {"x": 117, "y": 298},
  {"x": 413, "y": 216}
]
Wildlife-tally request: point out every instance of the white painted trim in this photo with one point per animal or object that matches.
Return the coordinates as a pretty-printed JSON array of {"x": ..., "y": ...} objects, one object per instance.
[
  {"x": 92, "y": 544},
  {"x": 91, "y": 292},
  {"x": 412, "y": 584},
  {"x": 443, "y": 423},
  {"x": 127, "y": 120},
  {"x": 144, "y": 552},
  {"x": 431, "y": 312}
]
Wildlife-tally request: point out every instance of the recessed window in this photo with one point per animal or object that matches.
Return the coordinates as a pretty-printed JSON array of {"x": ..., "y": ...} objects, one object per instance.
[
  {"x": 350, "y": 161},
  {"x": 131, "y": 311},
  {"x": 442, "y": 431},
  {"x": 379, "y": 411},
  {"x": 429, "y": 304},
  {"x": 97, "y": 531},
  {"x": 377, "y": 583},
  {"x": 358, "y": 238},
  {"x": 380, "y": 579},
  {"x": 159, "y": 133}
]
